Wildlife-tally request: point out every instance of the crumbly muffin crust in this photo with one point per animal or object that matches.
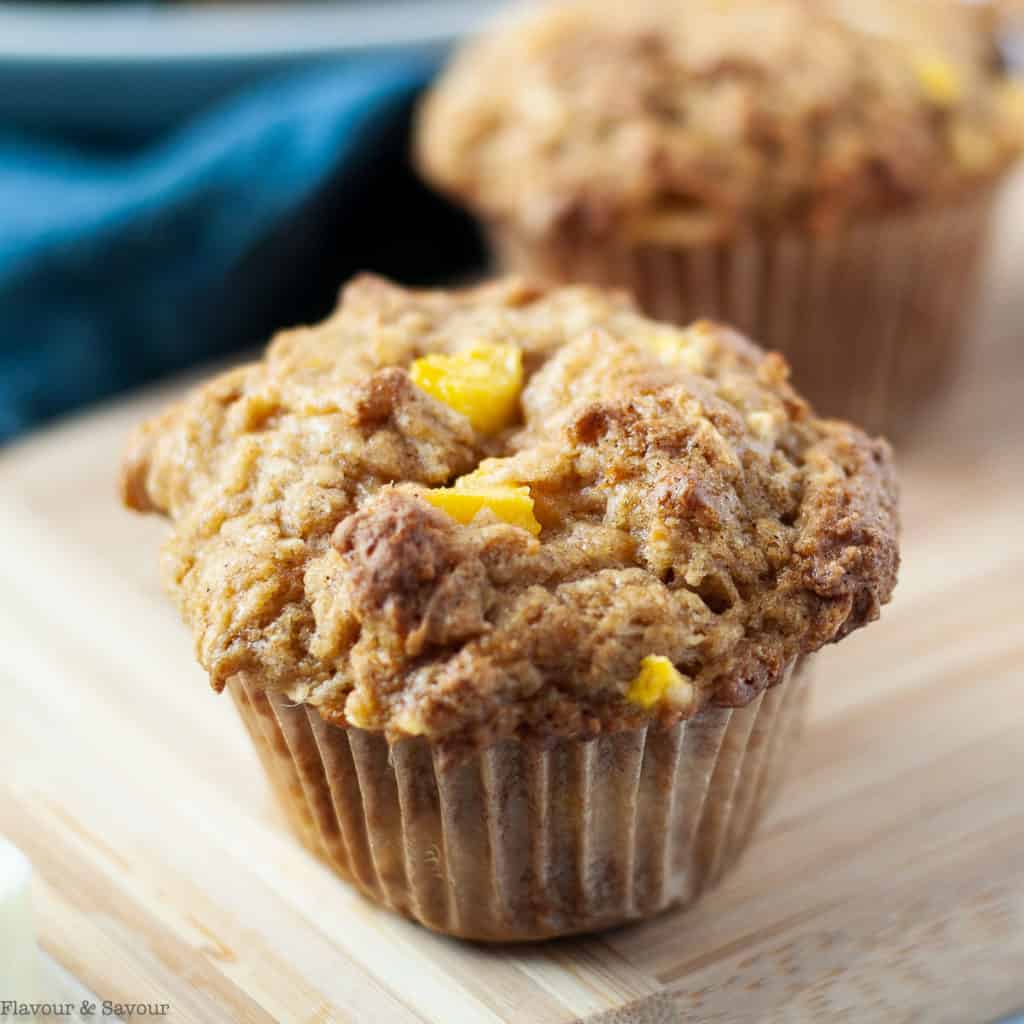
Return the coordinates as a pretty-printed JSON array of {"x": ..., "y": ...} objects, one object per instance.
[
  {"x": 691, "y": 507},
  {"x": 685, "y": 120}
]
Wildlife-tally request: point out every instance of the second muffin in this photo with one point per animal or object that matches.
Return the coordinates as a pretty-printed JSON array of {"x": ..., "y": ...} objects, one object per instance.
[{"x": 818, "y": 174}]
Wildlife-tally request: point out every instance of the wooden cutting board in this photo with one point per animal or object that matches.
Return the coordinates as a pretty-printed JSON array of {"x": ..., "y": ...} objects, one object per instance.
[{"x": 888, "y": 883}]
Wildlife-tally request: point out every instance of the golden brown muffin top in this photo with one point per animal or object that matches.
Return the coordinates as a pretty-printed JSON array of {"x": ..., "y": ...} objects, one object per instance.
[
  {"x": 664, "y": 523},
  {"x": 684, "y": 120}
]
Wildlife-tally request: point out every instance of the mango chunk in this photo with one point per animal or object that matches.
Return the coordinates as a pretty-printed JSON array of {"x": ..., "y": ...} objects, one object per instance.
[
  {"x": 939, "y": 80},
  {"x": 660, "y": 681},
  {"x": 487, "y": 474},
  {"x": 482, "y": 383},
  {"x": 510, "y": 503},
  {"x": 360, "y": 709},
  {"x": 686, "y": 348}
]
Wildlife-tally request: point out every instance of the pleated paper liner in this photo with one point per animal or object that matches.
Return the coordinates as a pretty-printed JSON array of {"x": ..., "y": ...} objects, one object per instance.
[
  {"x": 872, "y": 320},
  {"x": 529, "y": 840}
]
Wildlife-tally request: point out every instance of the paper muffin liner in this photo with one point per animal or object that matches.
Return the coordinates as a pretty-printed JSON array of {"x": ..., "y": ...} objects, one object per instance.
[
  {"x": 529, "y": 840},
  {"x": 872, "y": 320}
]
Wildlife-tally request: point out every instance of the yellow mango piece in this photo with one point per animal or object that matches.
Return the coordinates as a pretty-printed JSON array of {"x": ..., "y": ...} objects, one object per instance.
[
  {"x": 360, "y": 709},
  {"x": 482, "y": 383},
  {"x": 682, "y": 347},
  {"x": 510, "y": 503},
  {"x": 659, "y": 680},
  {"x": 665, "y": 344},
  {"x": 486, "y": 474},
  {"x": 939, "y": 80}
]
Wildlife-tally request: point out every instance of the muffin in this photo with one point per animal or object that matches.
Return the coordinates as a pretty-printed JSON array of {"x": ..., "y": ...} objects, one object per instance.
[
  {"x": 819, "y": 174},
  {"x": 514, "y": 589}
]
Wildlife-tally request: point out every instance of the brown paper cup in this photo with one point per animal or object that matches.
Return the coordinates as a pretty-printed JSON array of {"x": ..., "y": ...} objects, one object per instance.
[
  {"x": 871, "y": 320},
  {"x": 529, "y": 840}
]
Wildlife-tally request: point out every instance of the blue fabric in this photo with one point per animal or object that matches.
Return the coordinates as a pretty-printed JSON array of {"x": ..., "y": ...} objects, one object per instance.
[{"x": 115, "y": 268}]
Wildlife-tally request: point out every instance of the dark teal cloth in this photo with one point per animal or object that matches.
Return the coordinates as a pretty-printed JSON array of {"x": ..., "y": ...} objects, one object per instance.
[{"x": 116, "y": 268}]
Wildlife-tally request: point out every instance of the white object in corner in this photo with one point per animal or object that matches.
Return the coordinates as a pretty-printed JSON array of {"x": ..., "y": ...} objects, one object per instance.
[{"x": 18, "y": 979}]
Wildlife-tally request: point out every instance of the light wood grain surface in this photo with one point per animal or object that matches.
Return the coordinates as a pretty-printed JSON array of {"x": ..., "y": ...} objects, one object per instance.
[{"x": 888, "y": 884}]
